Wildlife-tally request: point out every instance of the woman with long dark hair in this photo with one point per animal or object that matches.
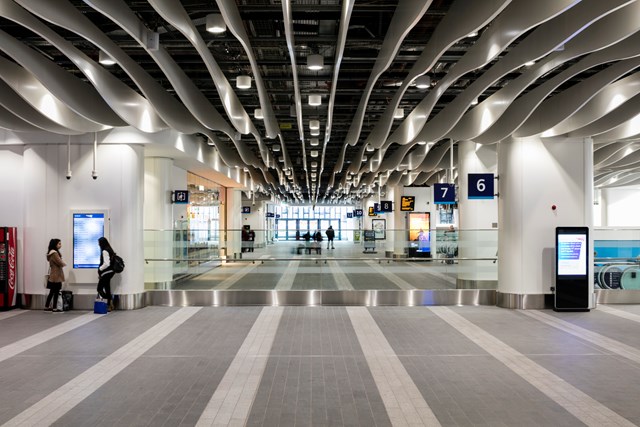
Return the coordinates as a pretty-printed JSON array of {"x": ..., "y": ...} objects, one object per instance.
[
  {"x": 56, "y": 275},
  {"x": 105, "y": 271}
]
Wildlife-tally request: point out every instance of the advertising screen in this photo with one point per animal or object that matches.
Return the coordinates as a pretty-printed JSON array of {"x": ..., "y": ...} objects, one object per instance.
[
  {"x": 87, "y": 229},
  {"x": 572, "y": 255},
  {"x": 419, "y": 225}
]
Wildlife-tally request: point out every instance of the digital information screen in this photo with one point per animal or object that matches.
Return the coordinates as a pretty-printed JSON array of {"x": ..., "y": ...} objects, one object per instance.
[
  {"x": 87, "y": 229},
  {"x": 572, "y": 255}
]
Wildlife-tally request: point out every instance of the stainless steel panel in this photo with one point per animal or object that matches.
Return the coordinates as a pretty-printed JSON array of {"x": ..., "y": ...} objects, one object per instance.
[
  {"x": 85, "y": 301},
  {"x": 524, "y": 301},
  {"x": 618, "y": 296},
  {"x": 318, "y": 298},
  {"x": 476, "y": 284}
]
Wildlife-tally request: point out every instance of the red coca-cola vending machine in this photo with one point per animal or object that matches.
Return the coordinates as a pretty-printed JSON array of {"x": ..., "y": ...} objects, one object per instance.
[{"x": 8, "y": 267}]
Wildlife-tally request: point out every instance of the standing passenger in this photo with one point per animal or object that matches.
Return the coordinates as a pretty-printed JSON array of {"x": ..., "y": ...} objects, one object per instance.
[
  {"x": 105, "y": 271},
  {"x": 56, "y": 275},
  {"x": 330, "y": 235}
]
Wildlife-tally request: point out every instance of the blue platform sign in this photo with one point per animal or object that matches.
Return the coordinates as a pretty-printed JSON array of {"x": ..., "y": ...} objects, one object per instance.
[
  {"x": 444, "y": 194},
  {"x": 358, "y": 213},
  {"x": 481, "y": 186},
  {"x": 246, "y": 209},
  {"x": 349, "y": 214}
]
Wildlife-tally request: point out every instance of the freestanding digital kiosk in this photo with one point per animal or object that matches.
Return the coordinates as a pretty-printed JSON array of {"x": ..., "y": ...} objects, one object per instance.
[{"x": 572, "y": 269}]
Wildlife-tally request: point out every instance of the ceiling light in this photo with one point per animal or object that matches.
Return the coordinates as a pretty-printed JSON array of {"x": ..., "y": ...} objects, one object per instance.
[
  {"x": 314, "y": 164},
  {"x": 475, "y": 101},
  {"x": 314, "y": 153},
  {"x": 314, "y": 124},
  {"x": 314, "y": 132},
  {"x": 370, "y": 148},
  {"x": 421, "y": 142},
  {"x": 292, "y": 111},
  {"x": 313, "y": 174},
  {"x": 314, "y": 142},
  {"x": 399, "y": 113},
  {"x": 423, "y": 82},
  {"x": 315, "y": 100},
  {"x": 529, "y": 63},
  {"x": 276, "y": 148},
  {"x": 315, "y": 62},
  {"x": 215, "y": 23},
  {"x": 281, "y": 159},
  {"x": 243, "y": 82},
  {"x": 257, "y": 113},
  {"x": 105, "y": 59},
  {"x": 472, "y": 34}
]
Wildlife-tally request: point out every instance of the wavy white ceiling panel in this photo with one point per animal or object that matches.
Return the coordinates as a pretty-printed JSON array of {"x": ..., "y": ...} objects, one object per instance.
[
  {"x": 606, "y": 101},
  {"x": 603, "y": 153},
  {"x": 21, "y": 108},
  {"x": 78, "y": 95},
  {"x": 32, "y": 91},
  {"x": 628, "y": 129},
  {"x": 521, "y": 109},
  {"x": 63, "y": 14},
  {"x": 613, "y": 119},
  {"x": 542, "y": 41}
]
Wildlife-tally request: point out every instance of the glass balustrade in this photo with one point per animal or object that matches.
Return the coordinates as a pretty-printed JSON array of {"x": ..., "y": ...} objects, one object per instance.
[
  {"x": 377, "y": 259},
  {"x": 617, "y": 258}
]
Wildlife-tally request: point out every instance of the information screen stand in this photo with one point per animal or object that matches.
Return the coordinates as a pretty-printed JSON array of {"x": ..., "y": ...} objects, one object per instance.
[{"x": 572, "y": 269}]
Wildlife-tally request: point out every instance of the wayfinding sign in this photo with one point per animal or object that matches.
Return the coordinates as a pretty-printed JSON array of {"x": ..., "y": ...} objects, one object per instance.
[
  {"x": 480, "y": 186},
  {"x": 444, "y": 194}
]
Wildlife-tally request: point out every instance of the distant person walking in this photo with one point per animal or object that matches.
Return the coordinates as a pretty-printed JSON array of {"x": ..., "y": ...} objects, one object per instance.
[
  {"x": 56, "y": 275},
  {"x": 330, "y": 235}
]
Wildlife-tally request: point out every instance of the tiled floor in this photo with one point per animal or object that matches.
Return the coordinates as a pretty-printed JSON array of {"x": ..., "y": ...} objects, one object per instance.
[{"x": 321, "y": 366}]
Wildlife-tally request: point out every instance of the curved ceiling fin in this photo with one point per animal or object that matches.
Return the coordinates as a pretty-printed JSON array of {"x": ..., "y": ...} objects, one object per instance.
[
  {"x": 27, "y": 118},
  {"x": 38, "y": 96},
  {"x": 612, "y": 119},
  {"x": 553, "y": 31},
  {"x": 63, "y": 14}
]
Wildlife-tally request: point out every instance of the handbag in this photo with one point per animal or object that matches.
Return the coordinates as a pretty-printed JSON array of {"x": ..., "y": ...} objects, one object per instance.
[
  {"x": 100, "y": 306},
  {"x": 46, "y": 278}
]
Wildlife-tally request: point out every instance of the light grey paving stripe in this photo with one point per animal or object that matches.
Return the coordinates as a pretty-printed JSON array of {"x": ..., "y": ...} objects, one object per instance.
[
  {"x": 620, "y": 313},
  {"x": 402, "y": 399},
  {"x": 52, "y": 407},
  {"x": 399, "y": 282},
  {"x": 24, "y": 344},
  {"x": 232, "y": 400},
  {"x": 227, "y": 283},
  {"x": 608, "y": 344},
  {"x": 342, "y": 282},
  {"x": 289, "y": 275},
  {"x": 12, "y": 313},
  {"x": 431, "y": 271},
  {"x": 580, "y": 405}
]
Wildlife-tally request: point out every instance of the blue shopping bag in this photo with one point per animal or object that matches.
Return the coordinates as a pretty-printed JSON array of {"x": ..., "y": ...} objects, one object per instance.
[{"x": 100, "y": 306}]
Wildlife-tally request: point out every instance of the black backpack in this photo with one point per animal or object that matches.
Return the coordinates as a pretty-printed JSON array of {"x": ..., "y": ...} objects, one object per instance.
[{"x": 117, "y": 264}]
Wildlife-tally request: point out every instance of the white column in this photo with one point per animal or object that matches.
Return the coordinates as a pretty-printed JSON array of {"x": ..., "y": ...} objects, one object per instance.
[
  {"x": 233, "y": 213},
  {"x": 536, "y": 174},
  {"x": 158, "y": 221},
  {"x": 476, "y": 236}
]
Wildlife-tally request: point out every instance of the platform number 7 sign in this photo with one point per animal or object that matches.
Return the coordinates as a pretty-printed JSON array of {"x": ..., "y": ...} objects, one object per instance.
[{"x": 444, "y": 194}]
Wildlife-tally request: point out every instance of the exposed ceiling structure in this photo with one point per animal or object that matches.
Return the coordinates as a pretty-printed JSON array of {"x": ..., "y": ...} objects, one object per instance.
[{"x": 400, "y": 80}]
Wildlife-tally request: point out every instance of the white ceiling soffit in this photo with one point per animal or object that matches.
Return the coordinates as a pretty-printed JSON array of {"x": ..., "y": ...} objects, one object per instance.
[
  {"x": 628, "y": 129},
  {"x": 602, "y": 154},
  {"x": 9, "y": 119},
  {"x": 624, "y": 158}
]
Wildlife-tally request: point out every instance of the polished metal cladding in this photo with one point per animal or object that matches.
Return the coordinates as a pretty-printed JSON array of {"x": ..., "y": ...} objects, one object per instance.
[
  {"x": 524, "y": 301},
  {"x": 476, "y": 284},
  {"x": 617, "y": 296},
  {"x": 370, "y": 298}
]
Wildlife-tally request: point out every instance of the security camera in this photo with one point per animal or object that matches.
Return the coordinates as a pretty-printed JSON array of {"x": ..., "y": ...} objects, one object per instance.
[
  {"x": 94, "y": 175},
  {"x": 68, "y": 175}
]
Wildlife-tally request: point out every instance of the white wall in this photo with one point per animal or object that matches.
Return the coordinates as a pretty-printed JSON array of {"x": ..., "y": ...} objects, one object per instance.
[
  {"x": 42, "y": 200},
  {"x": 621, "y": 206}
]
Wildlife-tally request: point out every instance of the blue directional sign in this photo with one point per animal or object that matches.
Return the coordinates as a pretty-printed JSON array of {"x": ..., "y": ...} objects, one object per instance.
[
  {"x": 357, "y": 213},
  {"x": 481, "y": 186},
  {"x": 444, "y": 194},
  {"x": 246, "y": 209},
  {"x": 349, "y": 214}
]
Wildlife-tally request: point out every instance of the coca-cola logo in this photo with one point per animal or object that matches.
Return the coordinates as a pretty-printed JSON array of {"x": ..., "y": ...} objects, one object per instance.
[{"x": 12, "y": 268}]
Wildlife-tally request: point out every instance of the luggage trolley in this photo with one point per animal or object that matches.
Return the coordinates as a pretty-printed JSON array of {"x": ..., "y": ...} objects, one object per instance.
[{"x": 369, "y": 241}]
